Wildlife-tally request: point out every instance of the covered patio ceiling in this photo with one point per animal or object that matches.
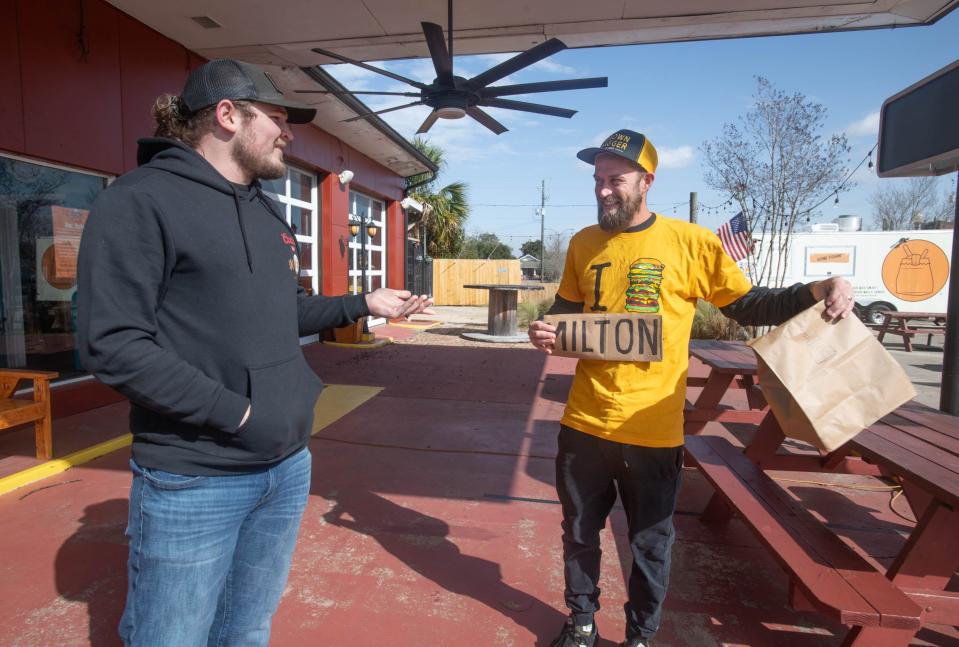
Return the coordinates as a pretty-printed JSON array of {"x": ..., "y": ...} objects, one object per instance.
[{"x": 282, "y": 34}]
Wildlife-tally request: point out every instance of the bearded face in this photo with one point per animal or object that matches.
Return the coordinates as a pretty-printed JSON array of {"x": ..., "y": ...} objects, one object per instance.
[
  {"x": 620, "y": 189},
  {"x": 258, "y": 158},
  {"x": 259, "y": 142},
  {"x": 616, "y": 213}
]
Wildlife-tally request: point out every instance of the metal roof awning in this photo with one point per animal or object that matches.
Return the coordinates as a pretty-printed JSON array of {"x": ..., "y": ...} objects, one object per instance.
[{"x": 283, "y": 33}]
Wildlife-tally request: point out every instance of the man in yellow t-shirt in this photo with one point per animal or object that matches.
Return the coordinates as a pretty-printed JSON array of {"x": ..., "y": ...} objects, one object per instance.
[{"x": 622, "y": 430}]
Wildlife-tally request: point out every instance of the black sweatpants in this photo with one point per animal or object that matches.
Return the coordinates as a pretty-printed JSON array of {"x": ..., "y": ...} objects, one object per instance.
[{"x": 589, "y": 472}]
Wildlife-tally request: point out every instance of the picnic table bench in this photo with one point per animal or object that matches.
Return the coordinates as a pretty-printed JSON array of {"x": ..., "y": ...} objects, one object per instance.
[
  {"x": 917, "y": 446},
  {"x": 17, "y": 411},
  {"x": 731, "y": 365},
  {"x": 825, "y": 574},
  {"x": 909, "y": 324}
]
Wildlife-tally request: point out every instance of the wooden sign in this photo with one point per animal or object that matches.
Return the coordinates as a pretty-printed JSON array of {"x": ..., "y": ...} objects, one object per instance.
[{"x": 610, "y": 337}]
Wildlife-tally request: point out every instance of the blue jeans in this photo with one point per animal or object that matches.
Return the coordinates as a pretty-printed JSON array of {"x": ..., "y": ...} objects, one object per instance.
[{"x": 209, "y": 555}]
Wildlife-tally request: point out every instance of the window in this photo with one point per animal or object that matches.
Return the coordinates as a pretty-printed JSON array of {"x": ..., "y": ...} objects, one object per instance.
[
  {"x": 298, "y": 195},
  {"x": 43, "y": 210},
  {"x": 367, "y": 248}
]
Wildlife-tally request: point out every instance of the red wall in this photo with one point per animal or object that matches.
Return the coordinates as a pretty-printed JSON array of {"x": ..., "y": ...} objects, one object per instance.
[
  {"x": 11, "y": 106},
  {"x": 396, "y": 246},
  {"x": 335, "y": 227}
]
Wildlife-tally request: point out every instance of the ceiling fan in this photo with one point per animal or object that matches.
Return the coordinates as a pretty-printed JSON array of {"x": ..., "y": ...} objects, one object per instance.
[{"x": 452, "y": 97}]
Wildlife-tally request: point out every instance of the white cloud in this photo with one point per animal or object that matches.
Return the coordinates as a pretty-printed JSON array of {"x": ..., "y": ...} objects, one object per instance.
[
  {"x": 867, "y": 126},
  {"x": 554, "y": 67},
  {"x": 679, "y": 157},
  {"x": 355, "y": 78}
]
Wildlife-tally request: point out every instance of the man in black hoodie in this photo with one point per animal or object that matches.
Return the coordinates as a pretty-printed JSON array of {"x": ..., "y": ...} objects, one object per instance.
[{"x": 189, "y": 304}]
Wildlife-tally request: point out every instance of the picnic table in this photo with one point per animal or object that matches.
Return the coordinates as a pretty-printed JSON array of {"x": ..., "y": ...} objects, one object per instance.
[
  {"x": 501, "y": 316},
  {"x": 731, "y": 365},
  {"x": 909, "y": 324},
  {"x": 916, "y": 445}
]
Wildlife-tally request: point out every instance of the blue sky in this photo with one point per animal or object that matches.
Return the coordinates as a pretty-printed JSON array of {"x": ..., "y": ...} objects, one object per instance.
[{"x": 679, "y": 95}]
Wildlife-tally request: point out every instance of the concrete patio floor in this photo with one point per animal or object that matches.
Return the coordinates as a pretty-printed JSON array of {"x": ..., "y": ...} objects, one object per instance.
[{"x": 433, "y": 521}]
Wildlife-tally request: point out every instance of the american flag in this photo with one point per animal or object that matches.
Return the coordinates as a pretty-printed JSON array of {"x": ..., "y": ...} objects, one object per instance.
[{"x": 735, "y": 237}]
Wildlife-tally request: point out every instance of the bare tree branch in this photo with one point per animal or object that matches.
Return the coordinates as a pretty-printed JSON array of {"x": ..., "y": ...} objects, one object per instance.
[
  {"x": 904, "y": 204},
  {"x": 776, "y": 166}
]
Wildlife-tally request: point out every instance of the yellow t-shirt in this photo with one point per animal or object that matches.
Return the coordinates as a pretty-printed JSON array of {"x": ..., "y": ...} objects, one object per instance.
[{"x": 661, "y": 269}]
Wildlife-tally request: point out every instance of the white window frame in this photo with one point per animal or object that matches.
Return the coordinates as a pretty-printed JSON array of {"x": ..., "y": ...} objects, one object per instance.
[
  {"x": 313, "y": 239},
  {"x": 377, "y": 217}
]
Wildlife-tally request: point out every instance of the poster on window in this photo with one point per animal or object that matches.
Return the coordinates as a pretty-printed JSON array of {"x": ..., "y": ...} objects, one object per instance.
[
  {"x": 67, "y": 227},
  {"x": 49, "y": 286}
]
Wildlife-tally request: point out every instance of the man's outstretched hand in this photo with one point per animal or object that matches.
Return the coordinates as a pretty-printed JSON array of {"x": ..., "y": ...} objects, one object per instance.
[
  {"x": 837, "y": 293},
  {"x": 395, "y": 304}
]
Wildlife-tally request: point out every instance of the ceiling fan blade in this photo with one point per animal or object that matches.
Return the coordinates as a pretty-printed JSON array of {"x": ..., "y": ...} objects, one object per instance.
[
  {"x": 486, "y": 120},
  {"x": 442, "y": 61},
  {"x": 347, "y": 59},
  {"x": 380, "y": 112},
  {"x": 518, "y": 62},
  {"x": 544, "y": 86},
  {"x": 347, "y": 92},
  {"x": 527, "y": 107},
  {"x": 426, "y": 125}
]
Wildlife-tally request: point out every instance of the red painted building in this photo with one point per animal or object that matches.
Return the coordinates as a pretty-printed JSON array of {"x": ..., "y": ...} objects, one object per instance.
[{"x": 77, "y": 82}]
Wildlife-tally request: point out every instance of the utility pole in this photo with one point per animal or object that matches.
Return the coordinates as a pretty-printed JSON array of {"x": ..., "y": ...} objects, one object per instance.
[
  {"x": 693, "y": 206},
  {"x": 542, "y": 229}
]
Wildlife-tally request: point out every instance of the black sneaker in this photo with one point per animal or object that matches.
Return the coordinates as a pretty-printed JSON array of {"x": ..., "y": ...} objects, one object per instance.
[
  {"x": 635, "y": 642},
  {"x": 573, "y": 636}
]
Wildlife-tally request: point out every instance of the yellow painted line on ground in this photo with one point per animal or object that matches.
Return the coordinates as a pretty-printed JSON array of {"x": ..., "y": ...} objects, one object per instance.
[
  {"x": 334, "y": 402},
  {"x": 337, "y": 400},
  {"x": 58, "y": 465},
  {"x": 379, "y": 343},
  {"x": 418, "y": 326}
]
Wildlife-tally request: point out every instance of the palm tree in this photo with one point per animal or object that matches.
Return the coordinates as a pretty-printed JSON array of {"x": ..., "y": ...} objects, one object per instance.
[{"x": 446, "y": 210}]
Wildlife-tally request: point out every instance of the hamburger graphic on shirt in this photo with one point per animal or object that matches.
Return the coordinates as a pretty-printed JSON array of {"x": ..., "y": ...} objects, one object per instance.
[{"x": 645, "y": 279}]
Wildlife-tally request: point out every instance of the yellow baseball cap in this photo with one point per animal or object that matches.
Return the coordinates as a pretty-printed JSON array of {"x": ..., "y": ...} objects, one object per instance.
[{"x": 625, "y": 143}]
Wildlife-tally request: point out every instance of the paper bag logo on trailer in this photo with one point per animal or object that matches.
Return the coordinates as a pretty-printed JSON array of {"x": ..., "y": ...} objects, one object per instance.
[{"x": 915, "y": 270}]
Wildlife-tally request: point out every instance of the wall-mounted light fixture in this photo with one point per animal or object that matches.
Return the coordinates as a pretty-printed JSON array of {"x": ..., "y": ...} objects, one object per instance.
[{"x": 345, "y": 177}]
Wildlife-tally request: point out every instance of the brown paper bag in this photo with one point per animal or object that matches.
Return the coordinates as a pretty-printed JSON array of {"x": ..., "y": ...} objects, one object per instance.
[{"x": 827, "y": 382}]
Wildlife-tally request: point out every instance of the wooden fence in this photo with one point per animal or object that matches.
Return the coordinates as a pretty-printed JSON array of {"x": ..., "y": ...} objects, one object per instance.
[
  {"x": 451, "y": 274},
  {"x": 535, "y": 296}
]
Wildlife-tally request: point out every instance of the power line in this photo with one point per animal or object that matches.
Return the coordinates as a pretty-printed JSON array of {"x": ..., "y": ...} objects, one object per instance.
[
  {"x": 661, "y": 205},
  {"x": 835, "y": 192},
  {"x": 842, "y": 184}
]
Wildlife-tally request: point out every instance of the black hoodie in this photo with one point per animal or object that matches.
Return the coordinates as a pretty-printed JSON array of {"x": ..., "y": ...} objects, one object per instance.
[{"x": 189, "y": 304}]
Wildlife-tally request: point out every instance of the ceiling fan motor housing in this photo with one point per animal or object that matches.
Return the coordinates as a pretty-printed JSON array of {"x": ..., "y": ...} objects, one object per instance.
[{"x": 449, "y": 102}]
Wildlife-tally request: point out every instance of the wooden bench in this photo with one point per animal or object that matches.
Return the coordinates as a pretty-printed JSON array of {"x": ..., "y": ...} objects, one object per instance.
[
  {"x": 930, "y": 323},
  {"x": 16, "y": 411},
  {"x": 825, "y": 574},
  {"x": 732, "y": 365}
]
